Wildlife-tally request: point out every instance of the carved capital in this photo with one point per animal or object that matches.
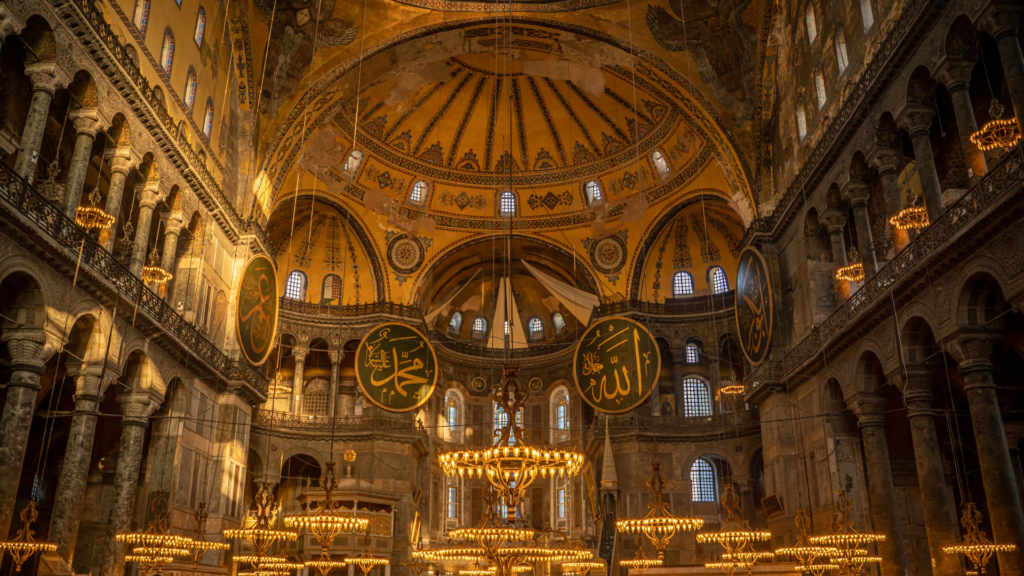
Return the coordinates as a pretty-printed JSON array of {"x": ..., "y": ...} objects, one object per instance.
[
  {"x": 175, "y": 222},
  {"x": 885, "y": 159},
  {"x": 973, "y": 351},
  {"x": 87, "y": 377},
  {"x": 47, "y": 76},
  {"x": 148, "y": 194},
  {"x": 916, "y": 119},
  {"x": 136, "y": 407},
  {"x": 300, "y": 354},
  {"x": 856, "y": 192},
  {"x": 834, "y": 219},
  {"x": 336, "y": 356},
  {"x": 120, "y": 164},
  {"x": 1002, "y": 18},
  {"x": 955, "y": 73},
  {"x": 87, "y": 121},
  {"x": 917, "y": 389},
  {"x": 28, "y": 349},
  {"x": 870, "y": 409},
  {"x": 10, "y": 25}
]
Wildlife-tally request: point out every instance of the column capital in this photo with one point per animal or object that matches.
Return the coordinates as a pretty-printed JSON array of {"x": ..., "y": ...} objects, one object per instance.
[
  {"x": 856, "y": 192},
  {"x": 148, "y": 193},
  {"x": 955, "y": 73},
  {"x": 885, "y": 159},
  {"x": 47, "y": 76},
  {"x": 136, "y": 408},
  {"x": 87, "y": 121},
  {"x": 1001, "y": 19},
  {"x": 336, "y": 356},
  {"x": 870, "y": 408},
  {"x": 120, "y": 163},
  {"x": 834, "y": 218},
  {"x": 29, "y": 348},
  {"x": 10, "y": 25},
  {"x": 300, "y": 353},
  {"x": 973, "y": 349},
  {"x": 917, "y": 388},
  {"x": 916, "y": 119}
]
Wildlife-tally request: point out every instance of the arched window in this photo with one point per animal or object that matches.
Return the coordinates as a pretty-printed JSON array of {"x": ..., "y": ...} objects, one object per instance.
[
  {"x": 167, "y": 51},
  {"x": 559, "y": 322},
  {"x": 682, "y": 284},
  {"x": 536, "y": 329},
  {"x": 331, "y": 287},
  {"x": 702, "y": 479},
  {"x": 419, "y": 192},
  {"x": 561, "y": 503},
  {"x": 801, "y": 119},
  {"x": 200, "y": 26},
  {"x": 692, "y": 354},
  {"x": 819, "y": 87},
  {"x": 560, "y": 410},
  {"x": 593, "y": 191},
  {"x": 141, "y": 18},
  {"x": 812, "y": 24},
  {"x": 191, "y": 81},
  {"x": 866, "y": 14},
  {"x": 508, "y": 204},
  {"x": 295, "y": 287},
  {"x": 452, "y": 499},
  {"x": 500, "y": 420},
  {"x": 696, "y": 398},
  {"x": 208, "y": 118},
  {"x": 719, "y": 282},
  {"x": 456, "y": 322},
  {"x": 352, "y": 164},
  {"x": 452, "y": 413},
  {"x": 660, "y": 164},
  {"x": 841, "y": 56},
  {"x": 479, "y": 327}
]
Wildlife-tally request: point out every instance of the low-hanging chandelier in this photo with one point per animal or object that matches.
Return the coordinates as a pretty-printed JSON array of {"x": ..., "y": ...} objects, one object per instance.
[
  {"x": 93, "y": 217},
  {"x": 582, "y": 567},
  {"x": 736, "y": 537},
  {"x": 200, "y": 544},
  {"x": 154, "y": 274},
  {"x": 847, "y": 540},
  {"x": 24, "y": 545},
  {"x": 999, "y": 133},
  {"x": 976, "y": 546},
  {"x": 261, "y": 534},
  {"x": 659, "y": 525},
  {"x": 810, "y": 558},
  {"x": 154, "y": 547},
  {"x": 912, "y": 218},
  {"x": 367, "y": 561},
  {"x": 640, "y": 562}
]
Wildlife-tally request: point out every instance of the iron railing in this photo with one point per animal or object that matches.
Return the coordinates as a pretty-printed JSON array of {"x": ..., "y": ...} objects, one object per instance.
[
  {"x": 694, "y": 306},
  {"x": 51, "y": 221},
  {"x": 742, "y": 422},
  {"x": 350, "y": 310},
  {"x": 1005, "y": 180},
  {"x": 268, "y": 421}
]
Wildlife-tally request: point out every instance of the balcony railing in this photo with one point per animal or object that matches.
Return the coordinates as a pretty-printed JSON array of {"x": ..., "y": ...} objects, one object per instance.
[
  {"x": 267, "y": 421},
  {"x": 1003, "y": 182},
  {"x": 351, "y": 310},
  {"x": 742, "y": 422},
  {"x": 872, "y": 82},
  {"x": 51, "y": 221},
  {"x": 694, "y": 306}
]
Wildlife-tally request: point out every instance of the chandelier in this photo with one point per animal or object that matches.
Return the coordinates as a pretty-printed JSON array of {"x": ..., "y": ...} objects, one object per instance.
[
  {"x": 155, "y": 547},
  {"x": 154, "y": 274},
  {"x": 736, "y": 537},
  {"x": 510, "y": 466},
  {"x": 582, "y": 567},
  {"x": 975, "y": 546},
  {"x": 999, "y": 133},
  {"x": 640, "y": 561},
  {"x": 846, "y": 539},
  {"x": 851, "y": 273},
  {"x": 809, "y": 558},
  {"x": 326, "y": 523},
  {"x": 367, "y": 561},
  {"x": 418, "y": 564},
  {"x": 93, "y": 217},
  {"x": 733, "y": 389},
  {"x": 260, "y": 534},
  {"x": 912, "y": 218},
  {"x": 200, "y": 544},
  {"x": 659, "y": 525},
  {"x": 24, "y": 545}
]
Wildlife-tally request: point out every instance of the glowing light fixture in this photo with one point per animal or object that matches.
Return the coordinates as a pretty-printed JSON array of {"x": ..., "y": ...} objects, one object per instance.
[
  {"x": 976, "y": 546},
  {"x": 200, "y": 544},
  {"x": 809, "y": 558},
  {"x": 93, "y": 217},
  {"x": 154, "y": 274},
  {"x": 736, "y": 537},
  {"x": 659, "y": 525},
  {"x": 846, "y": 539},
  {"x": 260, "y": 534},
  {"x": 999, "y": 133},
  {"x": 640, "y": 561},
  {"x": 912, "y": 218},
  {"x": 155, "y": 547},
  {"x": 24, "y": 545}
]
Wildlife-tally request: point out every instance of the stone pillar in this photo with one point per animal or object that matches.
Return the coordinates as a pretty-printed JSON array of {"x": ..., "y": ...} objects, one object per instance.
[
  {"x": 347, "y": 395},
  {"x": 887, "y": 162},
  {"x": 678, "y": 372},
  {"x": 67, "y": 505},
  {"x": 993, "y": 452},
  {"x": 336, "y": 356},
  {"x": 939, "y": 515},
  {"x": 135, "y": 410},
  {"x": 297, "y": 380},
  {"x": 120, "y": 163},
  {"x": 87, "y": 123},
  {"x": 857, "y": 194},
  {"x": 46, "y": 78},
  {"x": 171, "y": 232},
  {"x": 29, "y": 353},
  {"x": 1013, "y": 441},
  {"x": 835, "y": 221},
  {"x": 844, "y": 462},
  {"x": 870, "y": 410},
  {"x": 917, "y": 120},
  {"x": 955, "y": 74},
  {"x": 148, "y": 197},
  {"x": 1001, "y": 22}
]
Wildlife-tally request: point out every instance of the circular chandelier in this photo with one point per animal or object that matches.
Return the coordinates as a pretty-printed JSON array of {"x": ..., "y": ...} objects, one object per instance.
[
  {"x": 851, "y": 273},
  {"x": 736, "y": 537},
  {"x": 733, "y": 389},
  {"x": 912, "y": 218},
  {"x": 24, "y": 545},
  {"x": 326, "y": 522},
  {"x": 846, "y": 540},
  {"x": 155, "y": 547},
  {"x": 260, "y": 534},
  {"x": 809, "y": 558},
  {"x": 582, "y": 567},
  {"x": 659, "y": 525},
  {"x": 200, "y": 544},
  {"x": 154, "y": 274},
  {"x": 999, "y": 133},
  {"x": 93, "y": 217},
  {"x": 418, "y": 564},
  {"x": 367, "y": 561},
  {"x": 510, "y": 466},
  {"x": 640, "y": 561},
  {"x": 976, "y": 546}
]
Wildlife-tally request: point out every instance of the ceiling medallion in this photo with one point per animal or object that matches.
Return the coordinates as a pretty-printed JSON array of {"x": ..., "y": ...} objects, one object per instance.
[
  {"x": 608, "y": 254},
  {"x": 405, "y": 253}
]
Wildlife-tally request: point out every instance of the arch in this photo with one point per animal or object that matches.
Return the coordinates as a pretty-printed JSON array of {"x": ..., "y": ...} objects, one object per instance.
[
  {"x": 682, "y": 284},
  {"x": 454, "y": 415},
  {"x": 696, "y": 396},
  {"x": 692, "y": 353},
  {"x": 920, "y": 86},
  {"x": 479, "y": 329},
  {"x": 22, "y": 300},
  {"x": 455, "y": 324},
  {"x": 919, "y": 343},
  {"x": 561, "y": 421},
  {"x": 961, "y": 38},
  {"x": 811, "y": 23},
  {"x": 330, "y": 288},
  {"x": 718, "y": 280},
  {"x": 703, "y": 480},
  {"x": 817, "y": 246},
  {"x": 869, "y": 375},
  {"x": 167, "y": 51},
  {"x": 508, "y": 204},
  {"x": 208, "y": 119},
  {"x": 138, "y": 372},
  {"x": 535, "y": 327},
  {"x": 191, "y": 83},
  {"x": 141, "y": 17},
  {"x": 842, "y": 58},
  {"x": 295, "y": 286},
  {"x": 981, "y": 303},
  {"x": 200, "y": 26},
  {"x": 819, "y": 87}
]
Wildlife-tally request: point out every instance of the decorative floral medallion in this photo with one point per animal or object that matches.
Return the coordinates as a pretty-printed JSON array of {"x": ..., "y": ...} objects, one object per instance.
[
  {"x": 608, "y": 254},
  {"x": 405, "y": 254}
]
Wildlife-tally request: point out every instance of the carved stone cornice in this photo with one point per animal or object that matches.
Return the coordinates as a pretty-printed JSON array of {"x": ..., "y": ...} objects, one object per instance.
[
  {"x": 47, "y": 76},
  {"x": 916, "y": 119},
  {"x": 955, "y": 73}
]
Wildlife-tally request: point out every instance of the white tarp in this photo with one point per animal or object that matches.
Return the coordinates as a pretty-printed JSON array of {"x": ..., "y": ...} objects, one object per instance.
[{"x": 578, "y": 302}]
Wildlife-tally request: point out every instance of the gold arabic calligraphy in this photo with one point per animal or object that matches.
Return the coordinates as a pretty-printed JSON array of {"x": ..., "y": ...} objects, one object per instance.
[
  {"x": 756, "y": 322},
  {"x": 257, "y": 309},
  {"x": 620, "y": 366},
  {"x": 396, "y": 366}
]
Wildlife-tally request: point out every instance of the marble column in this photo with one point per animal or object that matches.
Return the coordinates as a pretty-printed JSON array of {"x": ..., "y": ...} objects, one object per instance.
[
  {"x": 298, "y": 379},
  {"x": 857, "y": 194},
  {"x": 870, "y": 410},
  {"x": 120, "y": 163},
  {"x": 939, "y": 515},
  {"x": 29, "y": 352},
  {"x": 887, "y": 162},
  {"x": 835, "y": 221},
  {"x": 67, "y": 505},
  {"x": 347, "y": 395},
  {"x": 148, "y": 197},
  {"x": 917, "y": 120},
  {"x": 336, "y": 356},
  {"x": 87, "y": 123},
  {"x": 46, "y": 78},
  {"x": 993, "y": 452},
  {"x": 678, "y": 372},
  {"x": 1001, "y": 22},
  {"x": 955, "y": 74},
  {"x": 135, "y": 410},
  {"x": 172, "y": 230}
]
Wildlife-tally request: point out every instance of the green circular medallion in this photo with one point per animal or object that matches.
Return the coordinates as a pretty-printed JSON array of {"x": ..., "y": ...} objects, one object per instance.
[
  {"x": 479, "y": 384},
  {"x": 396, "y": 367},
  {"x": 256, "y": 309},
  {"x": 616, "y": 364}
]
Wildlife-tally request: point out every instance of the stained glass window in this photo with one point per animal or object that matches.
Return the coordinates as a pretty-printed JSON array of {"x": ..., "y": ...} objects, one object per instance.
[
  {"x": 200, "y": 26},
  {"x": 867, "y": 15},
  {"x": 508, "y": 203},
  {"x": 141, "y": 19},
  {"x": 191, "y": 82},
  {"x": 841, "y": 56},
  {"x": 801, "y": 119},
  {"x": 560, "y": 404},
  {"x": 819, "y": 87},
  {"x": 456, "y": 322},
  {"x": 167, "y": 52},
  {"x": 696, "y": 398},
  {"x": 812, "y": 24},
  {"x": 559, "y": 321},
  {"x": 501, "y": 420},
  {"x": 718, "y": 280},
  {"x": 702, "y": 479},
  {"x": 682, "y": 284},
  {"x": 208, "y": 118},
  {"x": 295, "y": 288}
]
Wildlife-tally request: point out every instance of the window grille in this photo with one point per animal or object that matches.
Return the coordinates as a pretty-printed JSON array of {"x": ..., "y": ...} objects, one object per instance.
[
  {"x": 682, "y": 284},
  {"x": 696, "y": 398},
  {"x": 702, "y": 479}
]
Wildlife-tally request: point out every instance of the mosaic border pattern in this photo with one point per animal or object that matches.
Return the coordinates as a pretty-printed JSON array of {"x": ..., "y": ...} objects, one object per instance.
[{"x": 546, "y": 6}]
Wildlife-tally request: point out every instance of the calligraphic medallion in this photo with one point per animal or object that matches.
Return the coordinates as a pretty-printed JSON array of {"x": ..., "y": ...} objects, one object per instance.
[
  {"x": 616, "y": 364},
  {"x": 256, "y": 309},
  {"x": 396, "y": 367},
  {"x": 479, "y": 384},
  {"x": 754, "y": 313}
]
